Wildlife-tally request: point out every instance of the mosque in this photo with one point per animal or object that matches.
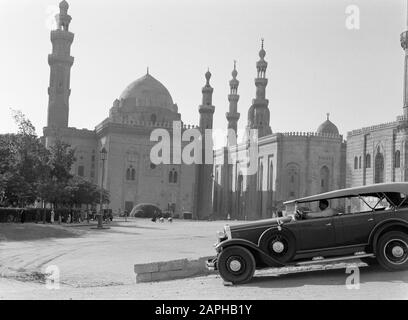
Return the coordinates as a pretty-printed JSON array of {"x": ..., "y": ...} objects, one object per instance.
[{"x": 290, "y": 165}]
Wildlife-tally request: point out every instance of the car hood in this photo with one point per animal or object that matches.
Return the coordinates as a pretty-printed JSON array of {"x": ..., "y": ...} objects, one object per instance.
[{"x": 260, "y": 224}]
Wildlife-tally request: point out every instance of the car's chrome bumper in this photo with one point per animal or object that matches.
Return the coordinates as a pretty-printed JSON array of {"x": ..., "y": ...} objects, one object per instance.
[{"x": 211, "y": 264}]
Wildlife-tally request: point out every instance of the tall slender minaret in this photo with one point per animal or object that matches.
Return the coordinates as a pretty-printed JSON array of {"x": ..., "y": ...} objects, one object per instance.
[
  {"x": 232, "y": 115},
  {"x": 206, "y": 109},
  {"x": 60, "y": 62},
  {"x": 258, "y": 114},
  {"x": 404, "y": 45},
  {"x": 204, "y": 182}
]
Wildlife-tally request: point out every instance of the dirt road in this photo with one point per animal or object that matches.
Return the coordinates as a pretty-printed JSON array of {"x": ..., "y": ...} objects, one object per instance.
[
  {"x": 374, "y": 284},
  {"x": 99, "y": 265}
]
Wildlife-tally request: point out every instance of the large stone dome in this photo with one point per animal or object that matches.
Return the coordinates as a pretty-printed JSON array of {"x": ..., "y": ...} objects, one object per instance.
[
  {"x": 148, "y": 92},
  {"x": 328, "y": 128}
]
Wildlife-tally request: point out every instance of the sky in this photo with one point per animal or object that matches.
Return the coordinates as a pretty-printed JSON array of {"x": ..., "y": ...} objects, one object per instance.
[{"x": 316, "y": 65}]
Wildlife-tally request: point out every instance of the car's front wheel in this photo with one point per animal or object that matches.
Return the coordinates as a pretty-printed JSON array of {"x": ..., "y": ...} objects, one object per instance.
[
  {"x": 392, "y": 251},
  {"x": 236, "y": 264}
]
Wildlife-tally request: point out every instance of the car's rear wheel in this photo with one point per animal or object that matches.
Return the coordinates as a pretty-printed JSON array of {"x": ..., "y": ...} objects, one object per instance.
[
  {"x": 392, "y": 251},
  {"x": 236, "y": 264}
]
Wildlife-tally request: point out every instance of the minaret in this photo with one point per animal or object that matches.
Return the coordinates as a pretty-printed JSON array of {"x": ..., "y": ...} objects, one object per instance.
[
  {"x": 404, "y": 45},
  {"x": 258, "y": 114},
  {"x": 232, "y": 115},
  {"x": 206, "y": 109},
  {"x": 60, "y": 62},
  {"x": 204, "y": 182}
]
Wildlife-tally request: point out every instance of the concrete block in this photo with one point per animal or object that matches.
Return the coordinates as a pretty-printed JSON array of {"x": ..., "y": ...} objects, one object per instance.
[
  {"x": 169, "y": 270},
  {"x": 174, "y": 274},
  {"x": 144, "y": 277},
  {"x": 146, "y": 267},
  {"x": 172, "y": 265}
]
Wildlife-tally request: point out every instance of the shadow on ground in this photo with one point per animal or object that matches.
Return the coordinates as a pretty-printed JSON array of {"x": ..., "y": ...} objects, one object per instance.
[
  {"x": 326, "y": 277},
  {"x": 31, "y": 231}
]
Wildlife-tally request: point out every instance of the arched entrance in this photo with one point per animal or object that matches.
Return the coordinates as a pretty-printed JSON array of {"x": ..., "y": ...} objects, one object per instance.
[
  {"x": 379, "y": 167},
  {"x": 324, "y": 179}
]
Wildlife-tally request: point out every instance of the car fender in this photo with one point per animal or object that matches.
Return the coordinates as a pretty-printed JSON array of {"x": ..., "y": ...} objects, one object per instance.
[
  {"x": 252, "y": 247},
  {"x": 275, "y": 228},
  {"x": 381, "y": 226},
  {"x": 288, "y": 234}
]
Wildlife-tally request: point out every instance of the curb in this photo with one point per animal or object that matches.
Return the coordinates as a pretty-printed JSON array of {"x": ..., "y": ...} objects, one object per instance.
[{"x": 170, "y": 270}]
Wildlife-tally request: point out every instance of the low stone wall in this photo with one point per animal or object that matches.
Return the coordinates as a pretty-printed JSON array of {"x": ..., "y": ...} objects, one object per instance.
[{"x": 170, "y": 270}]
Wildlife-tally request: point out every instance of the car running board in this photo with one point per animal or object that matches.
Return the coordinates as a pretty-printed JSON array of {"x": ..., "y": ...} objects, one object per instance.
[{"x": 317, "y": 260}]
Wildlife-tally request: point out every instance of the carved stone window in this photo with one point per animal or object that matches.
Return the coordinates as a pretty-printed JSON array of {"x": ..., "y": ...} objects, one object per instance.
[
  {"x": 368, "y": 161},
  {"x": 397, "y": 159},
  {"x": 173, "y": 176},
  {"x": 131, "y": 173}
]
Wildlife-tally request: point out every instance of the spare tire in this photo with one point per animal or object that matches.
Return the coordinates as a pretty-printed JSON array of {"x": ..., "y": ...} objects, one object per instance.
[{"x": 280, "y": 245}]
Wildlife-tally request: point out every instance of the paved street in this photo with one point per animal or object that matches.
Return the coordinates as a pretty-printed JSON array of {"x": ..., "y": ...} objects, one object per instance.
[{"x": 99, "y": 265}]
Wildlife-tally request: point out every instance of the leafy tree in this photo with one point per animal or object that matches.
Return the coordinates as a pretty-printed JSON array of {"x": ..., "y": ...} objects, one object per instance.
[
  {"x": 55, "y": 187},
  {"x": 86, "y": 192},
  {"x": 30, "y": 172},
  {"x": 22, "y": 163}
]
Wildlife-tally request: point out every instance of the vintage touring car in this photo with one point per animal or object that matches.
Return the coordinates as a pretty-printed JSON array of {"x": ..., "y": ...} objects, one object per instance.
[{"x": 369, "y": 222}]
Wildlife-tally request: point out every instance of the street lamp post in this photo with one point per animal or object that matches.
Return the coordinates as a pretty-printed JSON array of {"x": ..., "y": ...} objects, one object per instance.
[{"x": 103, "y": 159}]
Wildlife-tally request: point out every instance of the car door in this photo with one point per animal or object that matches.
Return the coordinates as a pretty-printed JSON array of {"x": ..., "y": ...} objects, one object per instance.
[
  {"x": 353, "y": 228},
  {"x": 316, "y": 233}
]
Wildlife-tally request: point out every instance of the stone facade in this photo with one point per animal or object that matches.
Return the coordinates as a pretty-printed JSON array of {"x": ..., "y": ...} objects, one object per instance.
[
  {"x": 290, "y": 165},
  {"x": 379, "y": 153},
  {"x": 130, "y": 177}
]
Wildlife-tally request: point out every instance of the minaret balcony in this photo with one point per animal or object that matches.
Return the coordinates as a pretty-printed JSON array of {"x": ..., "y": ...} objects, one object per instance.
[
  {"x": 54, "y": 59},
  {"x": 233, "y": 97},
  {"x": 260, "y": 102},
  {"x": 232, "y": 116},
  {"x": 62, "y": 35},
  {"x": 261, "y": 82},
  {"x": 206, "y": 109}
]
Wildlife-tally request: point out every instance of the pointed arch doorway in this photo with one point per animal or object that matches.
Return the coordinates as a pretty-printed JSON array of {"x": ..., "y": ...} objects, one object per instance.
[{"x": 379, "y": 167}]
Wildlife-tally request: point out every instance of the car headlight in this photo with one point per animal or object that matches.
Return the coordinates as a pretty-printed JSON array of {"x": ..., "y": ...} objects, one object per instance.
[
  {"x": 227, "y": 231},
  {"x": 221, "y": 235}
]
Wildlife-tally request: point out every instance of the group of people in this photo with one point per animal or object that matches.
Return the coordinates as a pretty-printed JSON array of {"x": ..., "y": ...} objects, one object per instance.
[
  {"x": 161, "y": 219},
  {"x": 78, "y": 217}
]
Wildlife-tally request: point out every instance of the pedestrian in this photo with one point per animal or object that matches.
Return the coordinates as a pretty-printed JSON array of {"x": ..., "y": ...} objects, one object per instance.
[
  {"x": 87, "y": 216},
  {"x": 23, "y": 215},
  {"x": 52, "y": 216},
  {"x": 37, "y": 215},
  {"x": 69, "y": 218}
]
